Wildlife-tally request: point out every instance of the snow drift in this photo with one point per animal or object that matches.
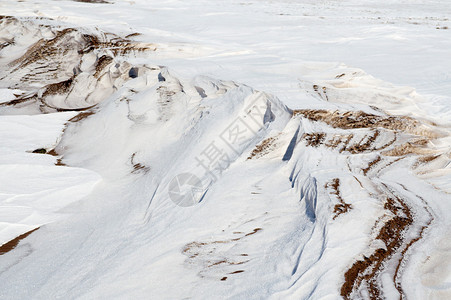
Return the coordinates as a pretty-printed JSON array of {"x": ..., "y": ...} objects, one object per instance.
[{"x": 211, "y": 188}]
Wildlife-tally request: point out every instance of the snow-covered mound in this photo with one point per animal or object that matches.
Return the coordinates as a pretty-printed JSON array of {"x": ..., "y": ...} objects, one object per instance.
[
  {"x": 266, "y": 178},
  {"x": 210, "y": 188},
  {"x": 61, "y": 68}
]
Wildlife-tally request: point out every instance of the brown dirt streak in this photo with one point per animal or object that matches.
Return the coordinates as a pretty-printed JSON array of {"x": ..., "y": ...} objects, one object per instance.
[
  {"x": 360, "y": 183},
  {"x": 360, "y": 119},
  {"x": 342, "y": 207},
  {"x": 314, "y": 139},
  {"x": 361, "y": 147},
  {"x": 262, "y": 148},
  {"x": 5, "y": 248},
  {"x": 371, "y": 165},
  {"x": 413, "y": 241},
  {"x": 388, "y": 144},
  {"x": 391, "y": 235}
]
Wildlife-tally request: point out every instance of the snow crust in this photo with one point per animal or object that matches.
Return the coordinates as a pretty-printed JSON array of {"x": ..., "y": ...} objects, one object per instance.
[{"x": 111, "y": 225}]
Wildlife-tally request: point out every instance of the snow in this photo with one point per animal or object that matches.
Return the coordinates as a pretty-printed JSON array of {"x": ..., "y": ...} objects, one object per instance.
[
  {"x": 264, "y": 224},
  {"x": 33, "y": 190},
  {"x": 7, "y": 95}
]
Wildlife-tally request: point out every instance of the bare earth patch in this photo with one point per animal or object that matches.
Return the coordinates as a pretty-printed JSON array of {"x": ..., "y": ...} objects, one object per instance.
[{"x": 5, "y": 248}]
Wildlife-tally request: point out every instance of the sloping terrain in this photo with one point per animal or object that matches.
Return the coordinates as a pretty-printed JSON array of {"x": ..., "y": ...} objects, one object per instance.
[{"x": 123, "y": 179}]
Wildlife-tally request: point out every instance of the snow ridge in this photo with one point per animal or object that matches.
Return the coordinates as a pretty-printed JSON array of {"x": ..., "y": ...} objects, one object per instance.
[{"x": 215, "y": 180}]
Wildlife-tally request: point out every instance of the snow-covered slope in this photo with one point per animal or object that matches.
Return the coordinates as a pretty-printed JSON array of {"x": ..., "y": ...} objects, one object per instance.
[{"x": 166, "y": 181}]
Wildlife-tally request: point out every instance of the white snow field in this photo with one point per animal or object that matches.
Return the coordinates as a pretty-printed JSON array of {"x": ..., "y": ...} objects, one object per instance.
[{"x": 225, "y": 149}]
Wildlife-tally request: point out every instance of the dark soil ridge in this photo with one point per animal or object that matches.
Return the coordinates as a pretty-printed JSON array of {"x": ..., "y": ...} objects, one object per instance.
[
  {"x": 5, "y": 248},
  {"x": 399, "y": 217},
  {"x": 360, "y": 119},
  {"x": 342, "y": 207},
  {"x": 365, "y": 272},
  {"x": 47, "y": 56}
]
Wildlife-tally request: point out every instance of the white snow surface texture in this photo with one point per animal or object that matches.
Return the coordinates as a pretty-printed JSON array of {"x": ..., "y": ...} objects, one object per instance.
[{"x": 235, "y": 150}]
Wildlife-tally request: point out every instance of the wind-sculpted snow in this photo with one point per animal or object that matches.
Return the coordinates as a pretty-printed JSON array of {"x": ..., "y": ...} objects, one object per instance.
[
  {"x": 309, "y": 195},
  {"x": 60, "y": 68},
  {"x": 209, "y": 188},
  {"x": 195, "y": 130}
]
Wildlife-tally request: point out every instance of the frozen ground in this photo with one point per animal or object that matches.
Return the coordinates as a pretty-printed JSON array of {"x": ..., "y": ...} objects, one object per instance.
[{"x": 313, "y": 138}]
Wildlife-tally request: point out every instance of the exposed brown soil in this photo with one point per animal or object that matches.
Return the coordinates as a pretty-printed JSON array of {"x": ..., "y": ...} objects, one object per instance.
[
  {"x": 125, "y": 46},
  {"x": 427, "y": 158},
  {"x": 346, "y": 142},
  {"x": 366, "y": 144},
  {"x": 48, "y": 58},
  {"x": 318, "y": 91},
  {"x": 261, "y": 149},
  {"x": 363, "y": 146},
  {"x": 138, "y": 167},
  {"x": 403, "y": 255},
  {"x": 342, "y": 142},
  {"x": 359, "y": 119},
  {"x": 335, "y": 141},
  {"x": 253, "y": 232},
  {"x": 398, "y": 219},
  {"x": 53, "y": 152},
  {"x": 101, "y": 64},
  {"x": 371, "y": 165},
  {"x": 132, "y": 35},
  {"x": 364, "y": 273},
  {"x": 197, "y": 250},
  {"x": 191, "y": 245},
  {"x": 19, "y": 100},
  {"x": 5, "y": 248},
  {"x": 342, "y": 207},
  {"x": 423, "y": 160},
  {"x": 81, "y": 116},
  {"x": 314, "y": 139},
  {"x": 411, "y": 243},
  {"x": 392, "y": 235},
  {"x": 40, "y": 151},
  {"x": 58, "y": 88},
  {"x": 227, "y": 262},
  {"x": 44, "y": 49},
  {"x": 59, "y": 162},
  {"x": 360, "y": 183},
  {"x": 408, "y": 148},
  {"x": 388, "y": 144}
]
